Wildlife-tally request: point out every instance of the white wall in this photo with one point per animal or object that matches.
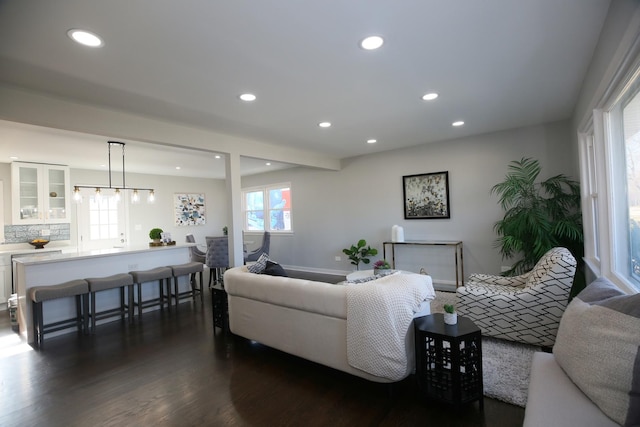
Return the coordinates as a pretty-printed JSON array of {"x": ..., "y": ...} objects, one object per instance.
[
  {"x": 333, "y": 209},
  {"x": 161, "y": 212}
]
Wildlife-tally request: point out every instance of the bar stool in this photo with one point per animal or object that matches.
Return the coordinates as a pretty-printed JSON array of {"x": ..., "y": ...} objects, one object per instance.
[
  {"x": 39, "y": 294},
  {"x": 98, "y": 284},
  {"x": 161, "y": 274},
  {"x": 189, "y": 269}
]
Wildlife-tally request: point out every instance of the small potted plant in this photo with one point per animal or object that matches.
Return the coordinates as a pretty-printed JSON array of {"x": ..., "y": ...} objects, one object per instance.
[
  {"x": 380, "y": 265},
  {"x": 450, "y": 315},
  {"x": 156, "y": 235},
  {"x": 225, "y": 230},
  {"x": 360, "y": 253}
]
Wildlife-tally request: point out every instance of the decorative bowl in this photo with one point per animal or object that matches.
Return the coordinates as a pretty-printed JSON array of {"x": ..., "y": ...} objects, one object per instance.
[{"x": 39, "y": 243}]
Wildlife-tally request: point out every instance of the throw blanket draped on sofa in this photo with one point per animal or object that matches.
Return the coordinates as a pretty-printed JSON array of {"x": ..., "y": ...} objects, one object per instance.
[{"x": 379, "y": 314}]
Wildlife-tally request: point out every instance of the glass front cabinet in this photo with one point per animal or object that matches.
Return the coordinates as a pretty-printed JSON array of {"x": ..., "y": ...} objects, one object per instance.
[{"x": 40, "y": 193}]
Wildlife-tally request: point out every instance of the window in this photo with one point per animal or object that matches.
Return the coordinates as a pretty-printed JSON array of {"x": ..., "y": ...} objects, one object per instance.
[
  {"x": 272, "y": 203},
  {"x": 615, "y": 225},
  {"x": 103, "y": 218},
  {"x": 624, "y": 131}
]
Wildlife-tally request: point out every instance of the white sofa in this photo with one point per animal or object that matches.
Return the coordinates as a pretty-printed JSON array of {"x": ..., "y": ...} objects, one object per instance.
[{"x": 301, "y": 317}]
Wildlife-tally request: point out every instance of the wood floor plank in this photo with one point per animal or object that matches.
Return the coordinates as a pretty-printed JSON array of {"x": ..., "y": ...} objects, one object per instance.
[{"x": 175, "y": 370}]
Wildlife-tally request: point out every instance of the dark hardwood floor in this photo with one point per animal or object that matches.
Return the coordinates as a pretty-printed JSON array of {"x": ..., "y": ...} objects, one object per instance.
[{"x": 175, "y": 370}]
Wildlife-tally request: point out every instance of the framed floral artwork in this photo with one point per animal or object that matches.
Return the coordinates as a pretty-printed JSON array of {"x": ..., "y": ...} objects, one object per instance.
[
  {"x": 189, "y": 209},
  {"x": 426, "y": 196}
]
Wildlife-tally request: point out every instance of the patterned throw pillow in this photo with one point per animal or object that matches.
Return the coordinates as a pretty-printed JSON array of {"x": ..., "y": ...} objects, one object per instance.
[
  {"x": 598, "y": 346},
  {"x": 259, "y": 265}
]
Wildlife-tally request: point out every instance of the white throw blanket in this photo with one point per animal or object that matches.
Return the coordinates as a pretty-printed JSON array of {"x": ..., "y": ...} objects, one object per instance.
[{"x": 379, "y": 314}]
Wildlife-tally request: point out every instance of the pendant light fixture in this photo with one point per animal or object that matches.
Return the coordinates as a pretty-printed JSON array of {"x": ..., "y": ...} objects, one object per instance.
[{"x": 135, "y": 195}]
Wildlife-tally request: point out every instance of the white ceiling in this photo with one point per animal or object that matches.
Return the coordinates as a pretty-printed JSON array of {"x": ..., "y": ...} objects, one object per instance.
[{"x": 497, "y": 64}]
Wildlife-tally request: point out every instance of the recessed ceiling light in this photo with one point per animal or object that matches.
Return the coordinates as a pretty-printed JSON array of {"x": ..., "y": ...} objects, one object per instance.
[
  {"x": 178, "y": 168},
  {"x": 458, "y": 123},
  {"x": 371, "y": 141},
  {"x": 248, "y": 97},
  {"x": 268, "y": 164},
  {"x": 324, "y": 124},
  {"x": 218, "y": 156},
  {"x": 85, "y": 38},
  {"x": 13, "y": 157},
  {"x": 429, "y": 96},
  {"x": 371, "y": 42}
]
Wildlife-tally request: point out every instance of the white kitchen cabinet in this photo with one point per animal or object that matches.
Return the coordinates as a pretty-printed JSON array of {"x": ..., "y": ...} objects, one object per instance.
[{"x": 40, "y": 193}]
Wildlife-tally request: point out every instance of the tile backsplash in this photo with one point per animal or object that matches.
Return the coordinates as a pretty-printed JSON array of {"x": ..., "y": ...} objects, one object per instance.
[{"x": 26, "y": 233}]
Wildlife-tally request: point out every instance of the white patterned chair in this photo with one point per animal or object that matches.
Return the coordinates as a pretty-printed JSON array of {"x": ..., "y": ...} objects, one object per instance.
[{"x": 525, "y": 308}]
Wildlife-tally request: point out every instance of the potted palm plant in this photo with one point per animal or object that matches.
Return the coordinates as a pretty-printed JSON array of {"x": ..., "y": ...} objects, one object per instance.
[{"x": 538, "y": 216}]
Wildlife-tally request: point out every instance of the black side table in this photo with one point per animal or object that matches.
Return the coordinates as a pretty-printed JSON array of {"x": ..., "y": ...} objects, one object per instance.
[
  {"x": 219, "y": 308},
  {"x": 449, "y": 359}
]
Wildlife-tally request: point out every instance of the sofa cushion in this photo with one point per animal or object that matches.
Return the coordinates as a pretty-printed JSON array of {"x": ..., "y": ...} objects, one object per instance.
[
  {"x": 274, "y": 269},
  {"x": 598, "y": 347},
  {"x": 554, "y": 400},
  {"x": 259, "y": 266}
]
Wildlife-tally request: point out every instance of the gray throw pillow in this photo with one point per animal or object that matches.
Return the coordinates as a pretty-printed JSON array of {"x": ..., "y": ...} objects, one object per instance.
[
  {"x": 274, "y": 269},
  {"x": 598, "y": 346}
]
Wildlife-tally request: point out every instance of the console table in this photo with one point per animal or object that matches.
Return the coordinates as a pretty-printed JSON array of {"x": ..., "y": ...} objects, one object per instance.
[
  {"x": 455, "y": 245},
  {"x": 449, "y": 359}
]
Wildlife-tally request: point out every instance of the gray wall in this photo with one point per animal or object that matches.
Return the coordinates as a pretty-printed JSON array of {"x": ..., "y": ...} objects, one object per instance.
[{"x": 331, "y": 210}]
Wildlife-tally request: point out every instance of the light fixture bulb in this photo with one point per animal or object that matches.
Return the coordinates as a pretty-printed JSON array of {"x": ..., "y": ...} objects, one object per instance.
[
  {"x": 152, "y": 196},
  {"x": 117, "y": 195},
  {"x": 98, "y": 195},
  {"x": 85, "y": 38},
  {"x": 372, "y": 43},
  {"x": 135, "y": 197},
  {"x": 248, "y": 97},
  {"x": 76, "y": 194}
]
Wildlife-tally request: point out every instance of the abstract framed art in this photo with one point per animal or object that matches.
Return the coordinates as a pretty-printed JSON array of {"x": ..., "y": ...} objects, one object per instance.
[
  {"x": 426, "y": 196},
  {"x": 189, "y": 209}
]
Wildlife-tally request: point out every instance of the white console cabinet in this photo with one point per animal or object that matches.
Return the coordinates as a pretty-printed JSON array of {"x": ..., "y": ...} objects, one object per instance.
[{"x": 40, "y": 193}]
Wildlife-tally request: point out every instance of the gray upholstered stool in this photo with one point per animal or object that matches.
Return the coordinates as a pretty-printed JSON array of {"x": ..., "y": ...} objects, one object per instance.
[
  {"x": 160, "y": 274},
  {"x": 120, "y": 281},
  {"x": 189, "y": 269},
  {"x": 39, "y": 294}
]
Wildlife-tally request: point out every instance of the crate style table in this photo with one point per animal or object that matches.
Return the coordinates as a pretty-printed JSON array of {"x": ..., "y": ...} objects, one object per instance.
[
  {"x": 449, "y": 359},
  {"x": 219, "y": 308}
]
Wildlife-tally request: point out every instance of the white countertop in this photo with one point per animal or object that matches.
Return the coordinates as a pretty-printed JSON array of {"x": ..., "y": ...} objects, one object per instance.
[{"x": 43, "y": 258}]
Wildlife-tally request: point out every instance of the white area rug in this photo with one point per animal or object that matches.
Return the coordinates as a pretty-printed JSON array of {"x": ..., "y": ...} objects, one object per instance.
[{"x": 505, "y": 365}]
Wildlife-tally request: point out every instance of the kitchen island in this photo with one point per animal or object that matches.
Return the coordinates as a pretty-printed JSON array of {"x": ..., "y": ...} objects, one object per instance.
[{"x": 58, "y": 268}]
